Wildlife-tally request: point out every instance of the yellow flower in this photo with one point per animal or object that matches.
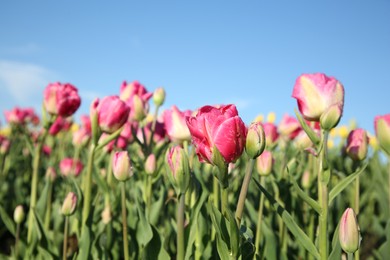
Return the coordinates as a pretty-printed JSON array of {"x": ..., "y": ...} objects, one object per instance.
[
  {"x": 373, "y": 141},
  {"x": 343, "y": 131},
  {"x": 271, "y": 117},
  {"x": 74, "y": 127},
  {"x": 330, "y": 144},
  {"x": 6, "y": 131},
  {"x": 259, "y": 118}
]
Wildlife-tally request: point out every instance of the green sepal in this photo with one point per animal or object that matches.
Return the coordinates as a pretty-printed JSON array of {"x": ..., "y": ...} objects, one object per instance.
[{"x": 308, "y": 130}]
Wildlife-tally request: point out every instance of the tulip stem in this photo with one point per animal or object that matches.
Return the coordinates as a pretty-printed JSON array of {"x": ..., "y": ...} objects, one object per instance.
[
  {"x": 34, "y": 184},
  {"x": 357, "y": 195},
  {"x": 180, "y": 227},
  {"x": 216, "y": 192},
  {"x": 323, "y": 179},
  {"x": 244, "y": 191},
  {"x": 65, "y": 245},
  {"x": 148, "y": 194},
  {"x": 88, "y": 188},
  {"x": 48, "y": 205},
  {"x": 124, "y": 221},
  {"x": 224, "y": 200},
  {"x": 388, "y": 176},
  {"x": 259, "y": 218},
  {"x": 17, "y": 240}
]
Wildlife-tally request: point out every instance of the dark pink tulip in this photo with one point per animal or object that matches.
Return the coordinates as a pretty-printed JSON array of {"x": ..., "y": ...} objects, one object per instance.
[
  {"x": 61, "y": 99},
  {"x": 60, "y": 124},
  {"x": 86, "y": 123},
  {"x": 21, "y": 116},
  {"x": 175, "y": 124},
  {"x": 289, "y": 126},
  {"x": 357, "y": 144},
  {"x": 112, "y": 113},
  {"x": 70, "y": 167},
  {"x": 220, "y": 127},
  {"x": 316, "y": 93}
]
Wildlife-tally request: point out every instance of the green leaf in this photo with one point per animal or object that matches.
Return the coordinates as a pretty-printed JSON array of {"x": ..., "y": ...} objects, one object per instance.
[
  {"x": 154, "y": 249},
  {"x": 85, "y": 244},
  {"x": 308, "y": 130},
  {"x": 336, "y": 248},
  {"x": 234, "y": 234},
  {"x": 222, "y": 248},
  {"x": 303, "y": 195},
  {"x": 144, "y": 232},
  {"x": 41, "y": 204},
  {"x": 8, "y": 222},
  {"x": 290, "y": 223},
  {"x": 109, "y": 139},
  {"x": 218, "y": 221},
  {"x": 384, "y": 249},
  {"x": 156, "y": 207},
  {"x": 341, "y": 185}
]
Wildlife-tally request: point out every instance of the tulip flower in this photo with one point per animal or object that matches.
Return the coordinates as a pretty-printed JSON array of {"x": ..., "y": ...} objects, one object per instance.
[
  {"x": 316, "y": 93},
  {"x": 60, "y": 124},
  {"x": 136, "y": 97},
  {"x": 382, "y": 131},
  {"x": 61, "y": 99},
  {"x": 150, "y": 164},
  {"x": 255, "y": 140},
  {"x": 21, "y": 116},
  {"x": 175, "y": 124},
  {"x": 357, "y": 144},
  {"x": 271, "y": 133},
  {"x": 220, "y": 128},
  {"x": 289, "y": 126},
  {"x": 178, "y": 168},
  {"x": 121, "y": 166},
  {"x": 264, "y": 163},
  {"x": 112, "y": 113},
  {"x": 70, "y": 167},
  {"x": 69, "y": 204},
  {"x": 349, "y": 235}
]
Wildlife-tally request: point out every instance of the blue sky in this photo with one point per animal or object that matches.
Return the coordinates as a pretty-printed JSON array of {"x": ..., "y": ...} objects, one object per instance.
[{"x": 202, "y": 52}]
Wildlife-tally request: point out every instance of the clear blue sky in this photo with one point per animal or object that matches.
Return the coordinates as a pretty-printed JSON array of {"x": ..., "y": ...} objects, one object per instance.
[{"x": 202, "y": 52}]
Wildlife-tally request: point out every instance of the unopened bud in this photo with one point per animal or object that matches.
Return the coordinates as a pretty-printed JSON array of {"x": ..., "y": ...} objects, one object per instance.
[
  {"x": 150, "y": 164},
  {"x": 349, "y": 235},
  {"x": 122, "y": 168},
  {"x": 19, "y": 214},
  {"x": 69, "y": 205},
  {"x": 255, "y": 140},
  {"x": 331, "y": 117},
  {"x": 159, "y": 96}
]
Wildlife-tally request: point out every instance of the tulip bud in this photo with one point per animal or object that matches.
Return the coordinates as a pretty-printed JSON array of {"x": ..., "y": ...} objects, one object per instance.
[
  {"x": 159, "y": 96},
  {"x": 357, "y": 144},
  {"x": 4, "y": 146},
  {"x": 264, "y": 163},
  {"x": 138, "y": 112},
  {"x": 255, "y": 140},
  {"x": 178, "y": 168},
  {"x": 122, "y": 168},
  {"x": 150, "y": 164},
  {"x": 69, "y": 204},
  {"x": 349, "y": 235},
  {"x": 106, "y": 215},
  {"x": 61, "y": 99},
  {"x": 305, "y": 180},
  {"x": 19, "y": 214},
  {"x": 331, "y": 117},
  {"x": 382, "y": 129}
]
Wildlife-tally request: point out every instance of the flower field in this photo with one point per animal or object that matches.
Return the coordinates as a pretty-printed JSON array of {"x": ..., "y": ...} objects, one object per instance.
[{"x": 132, "y": 180}]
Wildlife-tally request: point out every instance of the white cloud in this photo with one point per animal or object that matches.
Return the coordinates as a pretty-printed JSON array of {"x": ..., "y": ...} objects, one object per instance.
[{"x": 24, "y": 81}]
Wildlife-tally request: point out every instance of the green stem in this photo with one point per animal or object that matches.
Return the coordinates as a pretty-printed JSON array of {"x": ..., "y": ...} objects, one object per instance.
[
  {"x": 88, "y": 187},
  {"x": 357, "y": 195},
  {"x": 48, "y": 206},
  {"x": 388, "y": 176},
  {"x": 259, "y": 218},
  {"x": 124, "y": 221},
  {"x": 148, "y": 194},
  {"x": 216, "y": 193},
  {"x": 323, "y": 194},
  {"x": 34, "y": 184},
  {"x": 180, "y": 227},
  {"x": 356, "y": 255},
  {"x": 65, "y": 245},
  {"x": 244, "y": 191},
  {"x": 224, "y": 200},
  {"x": 17, "y": 240}
]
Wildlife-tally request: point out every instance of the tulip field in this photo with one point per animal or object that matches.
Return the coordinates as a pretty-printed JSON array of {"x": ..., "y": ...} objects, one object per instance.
[{"x": 133, "y": 180}]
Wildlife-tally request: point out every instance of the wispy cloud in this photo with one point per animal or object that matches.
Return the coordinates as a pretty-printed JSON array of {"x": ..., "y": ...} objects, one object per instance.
[
  {"x": 24, "y": 81},
  {"x": 25, "y": 49}
]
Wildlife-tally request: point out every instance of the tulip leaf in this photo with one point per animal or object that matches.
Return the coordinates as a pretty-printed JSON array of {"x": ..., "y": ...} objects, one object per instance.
[
  {"x": 154, "y": 249},
  {"x": 303, "y": 195},
  {"x": 308, "y": 130},
  {"x": 234, "y": 234},
  {"x": 341, "y": 185},
  {"x": 144, "y": 230},
  {"x": 7, "y": 221},
  {"x": 336, "y": 248},
  {"x": 290, "y": 223}
]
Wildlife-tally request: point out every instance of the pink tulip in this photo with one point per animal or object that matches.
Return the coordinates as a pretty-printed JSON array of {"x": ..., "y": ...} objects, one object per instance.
[
  {"x": 220, "y": 127},
  {"x": 175, "y": 124},
  {"x": 5, "y": 144},
  {"x": 121, "y": 166},
  {"x": 81, "y": 137},
  {"x": 159, "y": 133},
  {"x": 61, "y": 99},
  {"x": 316, "y": 93},
  {"x": 136, "y": 97},
  {"x": 112, "y": 113},
  {"x": 271, "y": 133},
  {"x": 289, "y": 126},
  {"x": 70, "y": 167},
  {"x": 60, "y": 124},
  {"x": 110, "y": 146},
  {"x": 21, "y": 116},
  {"x": 349, "y": 234},
  {"x": 69, "y": 204},
  {"x": 382, "y": 131},
  {"x": 264, "y": 163},
  {"x": 357, "y": 144}
]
